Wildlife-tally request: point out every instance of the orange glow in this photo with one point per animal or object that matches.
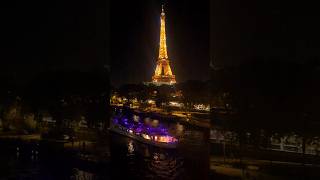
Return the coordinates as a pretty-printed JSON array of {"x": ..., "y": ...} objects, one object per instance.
[
  {"x": 163, "y": 73},
  {"x": 145, "y": 136},
  {"x": 165, "y": 139},
  {"x": 163, "y": 45}
]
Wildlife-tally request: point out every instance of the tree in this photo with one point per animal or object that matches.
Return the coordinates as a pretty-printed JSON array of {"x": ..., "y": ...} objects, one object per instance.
[{"x": 30, "y": 123}]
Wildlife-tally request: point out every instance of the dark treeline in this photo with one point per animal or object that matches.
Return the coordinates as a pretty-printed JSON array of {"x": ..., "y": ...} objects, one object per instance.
[
  {"x": 62, "y": 95},
  {"x": 275, "y": 95},
  {"x": 190, "y": 92}
]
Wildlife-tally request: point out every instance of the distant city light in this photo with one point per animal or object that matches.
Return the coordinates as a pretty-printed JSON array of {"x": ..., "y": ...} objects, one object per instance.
[
  {"x": 175, "y": 104},
  {"x": 201, "y": 107},
  {"x": 151, "y": 101}
]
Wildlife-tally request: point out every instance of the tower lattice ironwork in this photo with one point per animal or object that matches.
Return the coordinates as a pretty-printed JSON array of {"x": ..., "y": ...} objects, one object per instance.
[{"x": 163, "y": 73}]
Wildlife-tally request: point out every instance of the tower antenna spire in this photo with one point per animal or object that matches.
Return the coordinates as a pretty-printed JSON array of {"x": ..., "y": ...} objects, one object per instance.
[{"x": 162, "y": 9}]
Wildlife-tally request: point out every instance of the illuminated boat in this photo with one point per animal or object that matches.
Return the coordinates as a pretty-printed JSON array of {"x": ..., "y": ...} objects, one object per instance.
[{"x": 154, "y": 136}]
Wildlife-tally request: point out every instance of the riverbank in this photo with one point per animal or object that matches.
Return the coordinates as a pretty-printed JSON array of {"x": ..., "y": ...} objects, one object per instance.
[
  {"x": 187, "y": 118},
  {"x": 86, "y": 141},
  {"x": 262, "y": 169},
  {"x": 87, "y": 150},
  {"x": 262, "y": 163},
  {"x": 36, "y": 137}
]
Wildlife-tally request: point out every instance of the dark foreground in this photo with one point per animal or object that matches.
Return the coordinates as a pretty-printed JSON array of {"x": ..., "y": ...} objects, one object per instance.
[{"x": 113, "y": 157}]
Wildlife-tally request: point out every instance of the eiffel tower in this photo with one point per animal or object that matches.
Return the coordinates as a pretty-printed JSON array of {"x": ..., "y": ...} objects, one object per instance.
[{"x": 163, "y": 73}]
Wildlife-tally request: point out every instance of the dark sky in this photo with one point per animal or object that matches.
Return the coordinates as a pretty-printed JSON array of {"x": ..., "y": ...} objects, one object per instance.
[
  {"x": 244, "y": 30},
  {"x": 42, "y": 36},
  {"x": 135, "y": 27}
]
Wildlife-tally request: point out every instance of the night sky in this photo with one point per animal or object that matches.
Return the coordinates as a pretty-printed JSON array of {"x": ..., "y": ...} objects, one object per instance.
[
  {"x": 250, "y": 30},
  {"x": 43, "y": 36},
  {"x": 135, "y": 27},
  {"x": 38, "y": 36}
]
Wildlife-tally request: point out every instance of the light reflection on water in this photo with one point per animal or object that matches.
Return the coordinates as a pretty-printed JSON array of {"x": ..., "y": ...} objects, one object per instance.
[
  {"x": 78, "y": 174},
  {"x": 148, "y": 162},
  {"x": 130, "y": 147},
  {"x": 129, "y": 159}
]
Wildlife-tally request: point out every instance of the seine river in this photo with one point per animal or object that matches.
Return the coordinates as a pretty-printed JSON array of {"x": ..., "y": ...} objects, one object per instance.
[{"x": 129, "y": 159}]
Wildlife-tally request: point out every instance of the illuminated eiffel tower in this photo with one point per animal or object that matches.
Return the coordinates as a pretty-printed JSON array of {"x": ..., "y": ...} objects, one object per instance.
[{"x": 163, "y": 73}]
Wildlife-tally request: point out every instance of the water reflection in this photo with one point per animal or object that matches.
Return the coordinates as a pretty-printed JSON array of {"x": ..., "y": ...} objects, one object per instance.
[
  {"x": 145, "y": 161},
  {"x": 130, "y": 147},
  {"x": 166, "y": 166},
  {"x": 17, "y": 152},
  {"x": 81, "y": 175},
  {"x": 129, "y": 159}
]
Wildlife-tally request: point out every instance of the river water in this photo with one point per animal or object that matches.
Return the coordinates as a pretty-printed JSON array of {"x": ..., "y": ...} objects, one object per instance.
[{"x": 129, "y": 159}]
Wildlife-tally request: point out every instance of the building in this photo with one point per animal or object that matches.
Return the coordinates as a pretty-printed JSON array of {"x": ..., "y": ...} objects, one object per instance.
[{"x": 163, "y": 73}]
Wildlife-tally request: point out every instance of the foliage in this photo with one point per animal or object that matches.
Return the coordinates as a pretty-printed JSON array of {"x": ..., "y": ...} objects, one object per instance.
[{"x": 30, "y": 123}]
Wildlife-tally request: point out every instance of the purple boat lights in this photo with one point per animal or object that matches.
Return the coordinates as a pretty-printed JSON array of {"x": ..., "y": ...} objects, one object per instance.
[{"x": 158, "y": 134}]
